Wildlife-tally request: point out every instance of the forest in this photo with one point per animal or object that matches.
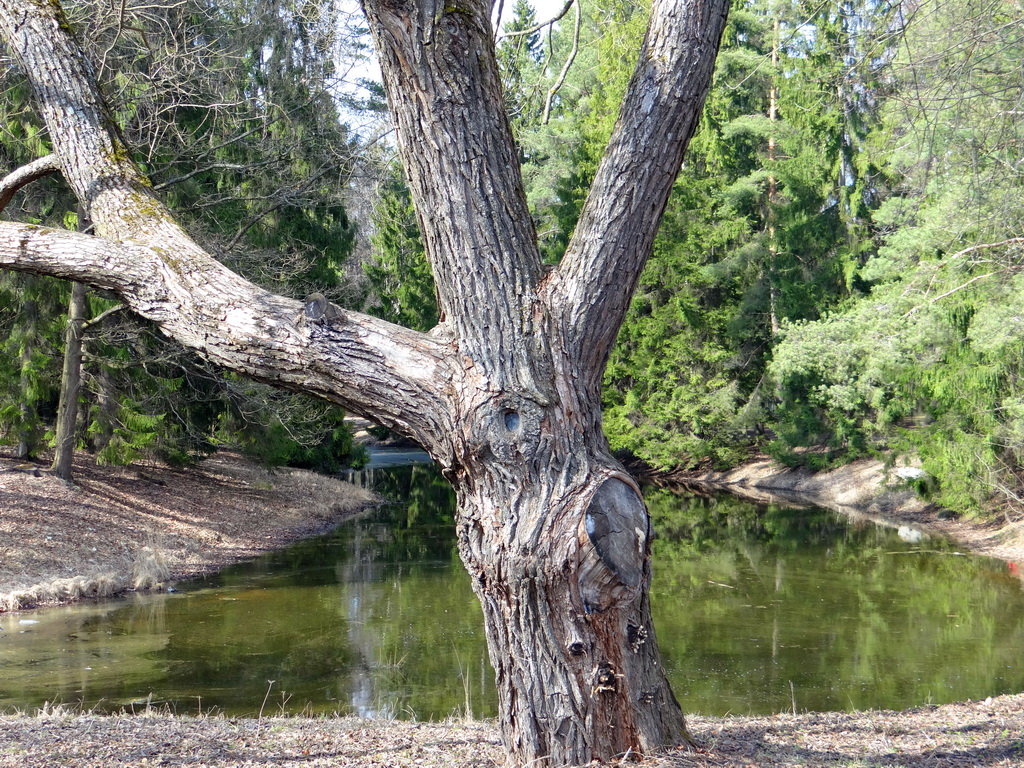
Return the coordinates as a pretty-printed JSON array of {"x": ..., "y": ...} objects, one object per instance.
[{"x": 838, "y": 273}]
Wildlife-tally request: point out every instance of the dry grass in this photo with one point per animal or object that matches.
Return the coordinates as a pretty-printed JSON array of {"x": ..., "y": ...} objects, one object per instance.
[
  {"x": 63, "y": 590},
  {"x": 988, "y": 734},
  {"x": 142, "y": 526},
  {"x": 985, "y": 733}
]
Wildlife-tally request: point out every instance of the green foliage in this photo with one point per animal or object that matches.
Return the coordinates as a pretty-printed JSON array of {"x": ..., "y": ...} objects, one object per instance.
[
  {"x": 761, "y": 229},
  {"x": 938, "y": 378},
  {"x": 133, "y": 436},
  {"x": 519, "y": 59},
  {"x": 929, "y": 361},
  {"x": 297, "y": 431},
  {"x": 400, "y": 277},
  {"x": 30, "y": 340}
]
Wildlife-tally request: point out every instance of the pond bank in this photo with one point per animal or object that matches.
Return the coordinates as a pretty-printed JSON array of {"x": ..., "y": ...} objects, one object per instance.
[
  {"x": 121, "y": 528},
  {"x": 147, "y": 525},
  {"x": 864, "y": 489},
  {"x": 984, "y": 733}
]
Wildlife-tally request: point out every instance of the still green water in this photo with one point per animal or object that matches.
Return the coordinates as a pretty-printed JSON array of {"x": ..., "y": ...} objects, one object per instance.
[{"x": 758, "y": 610}]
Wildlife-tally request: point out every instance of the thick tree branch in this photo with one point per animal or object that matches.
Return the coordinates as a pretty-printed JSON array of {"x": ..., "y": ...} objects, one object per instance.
[
  {"x": 590, "y": 291},
  {"x": 369, "y": 366},
  {"x": 15, "y": 180},
  {"x": 445, "y": 95}
]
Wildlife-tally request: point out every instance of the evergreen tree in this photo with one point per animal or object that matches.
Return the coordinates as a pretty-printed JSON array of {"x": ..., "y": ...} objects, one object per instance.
[
  {"x": 31, "y": 308},
  {"x": 765, "y": 227},
  {"x": 401, "y": 282},
  {"x": 519, "y": 57},
  {"x": 930, "y": 361}
]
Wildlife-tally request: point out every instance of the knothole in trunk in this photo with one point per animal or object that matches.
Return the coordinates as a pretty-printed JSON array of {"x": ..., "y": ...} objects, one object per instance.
[{"x": 606, "y": 679}]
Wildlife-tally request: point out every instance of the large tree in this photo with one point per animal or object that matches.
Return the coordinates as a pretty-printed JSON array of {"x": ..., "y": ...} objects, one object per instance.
[{"x": 504, "y": 393}]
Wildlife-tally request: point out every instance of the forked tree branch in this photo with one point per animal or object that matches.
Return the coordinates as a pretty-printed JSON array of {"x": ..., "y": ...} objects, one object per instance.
[
  {"x": 591, "y": 289},
  {"x": 141, "y": 253}
]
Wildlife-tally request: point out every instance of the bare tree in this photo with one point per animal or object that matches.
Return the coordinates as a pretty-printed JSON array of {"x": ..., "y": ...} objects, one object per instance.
[{"x": 504, "y": 393}]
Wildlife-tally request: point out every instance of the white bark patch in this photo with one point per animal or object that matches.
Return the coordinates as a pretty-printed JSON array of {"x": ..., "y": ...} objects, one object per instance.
[
  {"x": 240, "y": 321},
  {"x": 408, "y": 361}
]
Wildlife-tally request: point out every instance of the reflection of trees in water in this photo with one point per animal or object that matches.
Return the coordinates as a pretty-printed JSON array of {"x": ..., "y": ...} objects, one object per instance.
[
  {"x": 412, "y": 613},
  {"x": 379, "y": 618},
  {"x": 82, "y": 651},
  {"x": 759, "y": 598}
]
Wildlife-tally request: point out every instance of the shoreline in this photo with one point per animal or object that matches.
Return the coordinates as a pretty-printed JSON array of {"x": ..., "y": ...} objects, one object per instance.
[
  {"x": 863, "y": 490},
  {"x": 229, "y": 509},
  {"x": 147, "y": 525}
]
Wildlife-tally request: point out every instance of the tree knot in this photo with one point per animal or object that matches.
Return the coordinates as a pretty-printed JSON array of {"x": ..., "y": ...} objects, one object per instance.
[{"x": 614, "y": 543}]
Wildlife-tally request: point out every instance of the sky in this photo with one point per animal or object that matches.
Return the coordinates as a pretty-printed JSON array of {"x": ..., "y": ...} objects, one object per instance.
[
  {"x": 546, "y": 9},
  {"x": 367, "y": 68}
]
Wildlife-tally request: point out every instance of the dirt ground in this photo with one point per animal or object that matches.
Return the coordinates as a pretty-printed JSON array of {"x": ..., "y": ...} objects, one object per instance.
[
  {"x": 985, "y": 734},
  {"x": 146, "y": 525}
]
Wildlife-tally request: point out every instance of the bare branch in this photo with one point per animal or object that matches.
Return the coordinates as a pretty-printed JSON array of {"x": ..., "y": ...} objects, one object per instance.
[
  {"x": 203, "y": 169},
  {"x": 538, "y": 27},
  {"x": 15, "y": 180},
  {"x": 951, "y": 291},
  {"x": 279, "y": 200},
  {"x": 568, "y": 64},
  {"x": 980, "y": 247},
  {"x": 103, "y": 316}
]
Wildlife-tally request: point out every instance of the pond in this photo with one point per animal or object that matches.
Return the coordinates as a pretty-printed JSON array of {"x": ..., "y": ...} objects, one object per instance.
[{"x": 758, "y": 610}]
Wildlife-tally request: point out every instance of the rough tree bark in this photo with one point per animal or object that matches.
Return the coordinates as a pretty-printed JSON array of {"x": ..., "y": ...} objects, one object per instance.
[{"x": 504, "y": 393}]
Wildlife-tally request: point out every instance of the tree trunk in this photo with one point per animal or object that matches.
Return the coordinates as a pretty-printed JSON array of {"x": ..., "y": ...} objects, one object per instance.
[
  {"x": 70, "y": 382},
  {"x": 28, "y": 423},
  {"x": 504, "y": 393},
  {"x": 556, "y": 539},
  {"x": 771, "y": 205},
  {"x": 558, "y": 553}
]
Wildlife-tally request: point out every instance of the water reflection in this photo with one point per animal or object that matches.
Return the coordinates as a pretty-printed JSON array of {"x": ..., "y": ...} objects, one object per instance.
[
  {"x": 757, "y": 610},
  {"x": 784, "y": 608}
]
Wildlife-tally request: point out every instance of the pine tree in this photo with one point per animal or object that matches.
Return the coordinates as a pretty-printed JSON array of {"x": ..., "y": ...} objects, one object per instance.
[
  {"x": 400, "y": 278},
  {"x": 766, "y": 227},
  {"x": 929, "y": 361}
]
